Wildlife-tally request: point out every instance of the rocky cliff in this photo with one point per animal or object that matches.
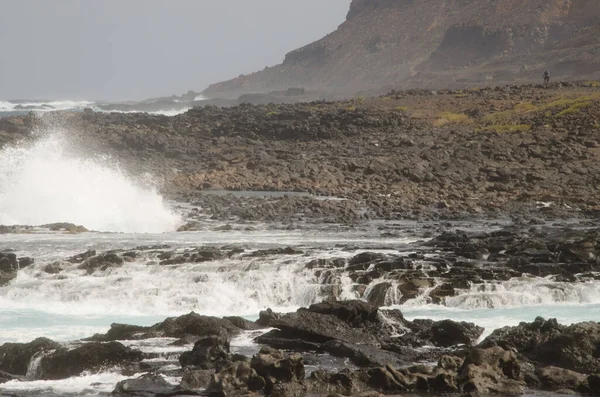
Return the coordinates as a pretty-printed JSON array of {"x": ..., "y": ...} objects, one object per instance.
[{"x": 398, "y": 43}]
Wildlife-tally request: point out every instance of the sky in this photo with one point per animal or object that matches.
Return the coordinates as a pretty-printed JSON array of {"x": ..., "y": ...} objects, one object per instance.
[{"x": 137, "y": 49}]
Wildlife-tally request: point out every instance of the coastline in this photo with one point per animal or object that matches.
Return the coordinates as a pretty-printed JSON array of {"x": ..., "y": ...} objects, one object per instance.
[{"x": 436, "y": 197}]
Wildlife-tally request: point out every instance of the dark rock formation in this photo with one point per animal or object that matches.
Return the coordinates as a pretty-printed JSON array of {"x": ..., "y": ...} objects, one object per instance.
[
  {"x": 206, "y": 353},
  {"x": 88, "y": 357},
  {"x": 551, "y": 344},
  {"x": 356, "y": 330},
  {"x": 8, "y": 267},
  {"x": 147, "y": 385},
  {"x": 15, "y": 357}
]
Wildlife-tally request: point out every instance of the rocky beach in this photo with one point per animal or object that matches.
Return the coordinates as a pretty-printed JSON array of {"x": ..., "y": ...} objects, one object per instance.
[{"x": 429, "y": 242}]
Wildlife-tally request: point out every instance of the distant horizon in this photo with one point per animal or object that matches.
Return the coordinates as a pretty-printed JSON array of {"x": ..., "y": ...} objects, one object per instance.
[{"x": 117, "y": 51}]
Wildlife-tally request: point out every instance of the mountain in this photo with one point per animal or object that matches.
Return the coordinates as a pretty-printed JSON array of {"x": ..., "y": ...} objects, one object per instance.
[{"x": 386, "y": 44}]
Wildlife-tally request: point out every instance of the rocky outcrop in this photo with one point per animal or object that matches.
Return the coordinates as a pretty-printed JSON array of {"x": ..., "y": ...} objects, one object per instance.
[
  {"x": 65, "y": 363},
  {"x": 147, "y": 385},
  {"x": 207, "y": 352},
  {"x": 190, "y": 326},
  {"x": 551, "y": 344},
  {"x": 403, "y": 155},
  {"x": 8, "y": 267},
  {"x": 16, "y": 357},
  {"x": 358, "y": 331},
  {"x": 271, "y": 372}
]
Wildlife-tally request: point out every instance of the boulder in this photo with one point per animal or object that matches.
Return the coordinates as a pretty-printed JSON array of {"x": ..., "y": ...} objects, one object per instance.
[
  {"x": 237, "y": 378},
  {"x": 576, "y": 348},
  {"x": 122, "y": 332},
  {"x": 364, "y": 356},
  {"x": 363, "y": 260},
  {"x": 56, "y": 267},
  {"x": 345, "y": 382},
  {"x": 25, "y": 261},
  {"x": 554, "y": 379},
  {"x": 552, "y": 344},
  {"x": 493, "y": 370},
  {"x": 276, "y": 367},
  {"x": 593, "y": 383},
  {"x": 266, "y": 316},
  {"x": 81, "y": 257},
  {"x": 447, "y": 333},
  {"x": 376, "y": 295},
  {"x": 15, "y": 357},
  {"x": 525, "y": 337},
  {"x": 101, "y": 262},
  {"x": 195, "y": 325},
  {"x": 242, "y": 323},
  {"x": 147, "y": 385},
  {"x": 194, "y": 379},
  {"x": 8, "y": 267},
  {"x": 92, "y": 356},
  {"x": 6, "y": 377},
  {"x": 270, "y": 372},
  {"x": 206, "y": 352},
  {"x": 353, "y": 312}
]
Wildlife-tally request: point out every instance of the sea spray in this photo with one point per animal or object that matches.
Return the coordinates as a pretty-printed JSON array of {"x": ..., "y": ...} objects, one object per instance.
[{"x": 47, "y": 181}]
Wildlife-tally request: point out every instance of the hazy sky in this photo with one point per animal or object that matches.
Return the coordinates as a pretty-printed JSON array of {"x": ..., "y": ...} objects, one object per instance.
[{"x": 135, "y": 49}]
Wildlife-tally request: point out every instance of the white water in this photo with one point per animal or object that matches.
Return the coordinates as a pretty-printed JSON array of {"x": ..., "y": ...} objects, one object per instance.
[
  {"x": 86, "y": 384},
  {"x": 170, "y": 113},
  {"x": 12, "y": 108},
  {"x": 75, "y": 304},
  {"x": 45, "y": 106},
  {"x": 47, "y": 182}
]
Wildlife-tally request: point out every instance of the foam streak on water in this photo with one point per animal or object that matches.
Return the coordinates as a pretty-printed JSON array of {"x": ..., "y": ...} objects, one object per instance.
[{"x": 46, "y": 183}]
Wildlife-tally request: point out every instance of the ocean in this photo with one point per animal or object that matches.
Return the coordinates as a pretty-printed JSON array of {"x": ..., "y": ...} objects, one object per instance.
[
  {"x": 46, "y": 182},
  {"x": 24, "y": 106}
]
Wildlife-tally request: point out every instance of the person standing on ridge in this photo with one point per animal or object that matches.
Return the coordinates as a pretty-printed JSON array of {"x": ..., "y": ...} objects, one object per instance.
[{"x": 546, "y": 77}]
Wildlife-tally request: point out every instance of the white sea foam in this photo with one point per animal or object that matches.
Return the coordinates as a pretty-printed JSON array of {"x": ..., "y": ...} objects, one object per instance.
[
  {"x": 174, "y": 112},
  {"x": 46, "y": 182},
  {"x": 228, "y": 287},
  {"x": 59, "y": 105},
  {"x": 5, "y": 105},
  {"x": 84, "y": 385},
  {"x": 169, "y": 112},
  {"x": 44, "y": 106}
]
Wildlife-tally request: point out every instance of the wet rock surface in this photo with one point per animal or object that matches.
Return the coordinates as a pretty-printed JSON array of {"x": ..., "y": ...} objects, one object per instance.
[
  {"x": 358, "y": 331},
  {"x": 15, "y": 357},
  {"x": 93, "y": 356}
]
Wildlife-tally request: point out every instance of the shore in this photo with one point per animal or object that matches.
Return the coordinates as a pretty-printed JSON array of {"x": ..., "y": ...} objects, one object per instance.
[
  {"x": 485, "y": 152},
  {"x": 337, "y": 346},
  {"x": 360, "y": 209}
]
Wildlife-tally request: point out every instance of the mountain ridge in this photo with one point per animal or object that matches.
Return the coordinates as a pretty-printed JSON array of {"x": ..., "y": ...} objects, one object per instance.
[{"x": 386, "y": 44}]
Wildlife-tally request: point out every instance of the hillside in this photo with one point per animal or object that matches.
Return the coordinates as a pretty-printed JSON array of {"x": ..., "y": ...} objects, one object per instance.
[{"x": 387, "y": 44}]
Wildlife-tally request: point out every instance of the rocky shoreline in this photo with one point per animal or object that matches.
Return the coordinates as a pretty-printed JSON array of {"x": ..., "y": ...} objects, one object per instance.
[
  {"x": 347, "y": 347},
  {"x": 527, "y": 151},
  {"x": 387, "y": 354}
]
